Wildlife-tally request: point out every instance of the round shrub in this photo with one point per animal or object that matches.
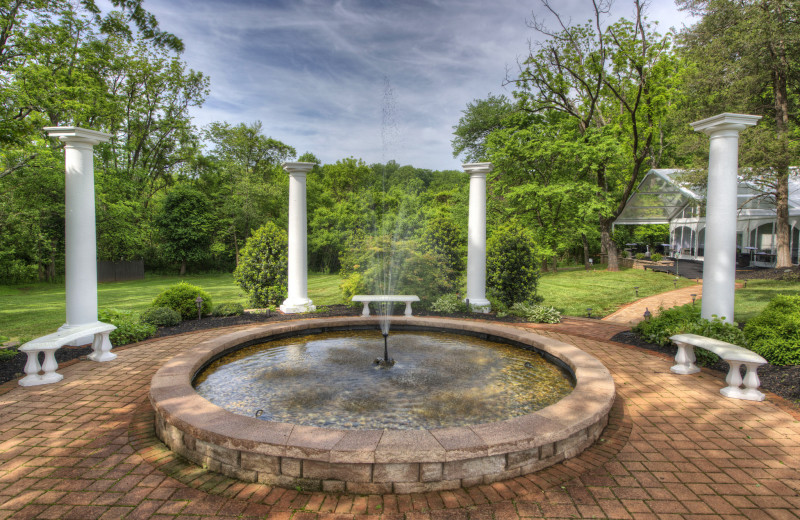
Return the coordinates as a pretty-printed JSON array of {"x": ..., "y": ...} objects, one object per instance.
[
  {"x": 161, "y": 317},
  {"x": 775, "y": 332},
  {"x": 656, "y": 257},
  {"x": 512, "y": 274},
  {"x": 130, "y": 328},
  {"x": 228, "y": 309},
  {"x": 263, "y": 266},
  {"x": 181, "y": 298},
  {"x": 640, "y": 256}
]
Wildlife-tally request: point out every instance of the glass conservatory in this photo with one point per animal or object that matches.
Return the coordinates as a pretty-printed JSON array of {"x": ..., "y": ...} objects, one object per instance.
[{"x": 665, "y": 197}]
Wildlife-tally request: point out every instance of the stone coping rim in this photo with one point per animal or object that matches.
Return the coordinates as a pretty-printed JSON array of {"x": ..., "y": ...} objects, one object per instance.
[{"x": 177, "y": 403}]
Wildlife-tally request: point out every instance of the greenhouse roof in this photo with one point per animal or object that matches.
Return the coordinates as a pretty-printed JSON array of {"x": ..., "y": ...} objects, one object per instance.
[{"x": 661, "y": 196}]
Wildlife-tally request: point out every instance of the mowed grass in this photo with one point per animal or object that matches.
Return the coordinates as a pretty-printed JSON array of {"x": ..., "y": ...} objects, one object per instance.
[
  {"x": 572, "y": 292},
  {"x": 33, "y": 310},
  {"x": 752, "y": 299}
]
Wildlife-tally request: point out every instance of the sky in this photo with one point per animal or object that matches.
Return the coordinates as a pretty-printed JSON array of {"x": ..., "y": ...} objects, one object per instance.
[{"x": 373, "y": 79}]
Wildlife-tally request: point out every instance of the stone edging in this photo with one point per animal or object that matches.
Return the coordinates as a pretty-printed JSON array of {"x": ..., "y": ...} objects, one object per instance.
[{"x": 378, "y": 461}]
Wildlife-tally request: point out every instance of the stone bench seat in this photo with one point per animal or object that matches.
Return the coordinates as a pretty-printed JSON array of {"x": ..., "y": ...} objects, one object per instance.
[
  {"x": 366, "y": 299},
  {"x": 101, "y": 347},
  {"x": 734, "y": 355}
]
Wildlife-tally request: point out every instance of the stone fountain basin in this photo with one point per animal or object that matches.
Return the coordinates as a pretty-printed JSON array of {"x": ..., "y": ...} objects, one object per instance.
[{"x": 378, "y": 461}]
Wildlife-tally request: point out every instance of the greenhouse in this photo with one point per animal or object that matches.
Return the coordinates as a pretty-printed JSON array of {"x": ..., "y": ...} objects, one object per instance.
[{"x": 663, "y": 198}]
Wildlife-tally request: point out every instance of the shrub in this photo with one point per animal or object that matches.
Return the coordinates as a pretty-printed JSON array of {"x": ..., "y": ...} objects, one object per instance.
[
  {"x": 263, "y": 266},
  {"x": 639, "y": 256},
  {"x": 775, "y": 332},
  {"x": 686, "y": 320},
  {"x": 181, "y": 298},
  {"x": 161, "y": 317},
  {"x": 512, "y": 274},
  {"x": 656, "y": 257},
  {"x": 8, "y": 354},
  {"x": 228, "y": 309},
  {"x": 536, "y": 313},
  {"x": 449, "y": 303},
  {"x": 624, "y": 254},
  {"x": 130, "y": 328}
]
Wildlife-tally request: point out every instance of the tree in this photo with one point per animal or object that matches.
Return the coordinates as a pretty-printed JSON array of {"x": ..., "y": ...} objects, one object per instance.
[
  {"x": 185, "y": 224},
  {"x": 613, "y": 83},
  {"x": 479, "y": 119},
  {"x": 745, "y": 59}
]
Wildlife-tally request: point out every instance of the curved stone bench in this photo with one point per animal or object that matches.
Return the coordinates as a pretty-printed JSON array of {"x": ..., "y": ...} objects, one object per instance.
[
  {"x": 378, "y": 461},
  {"x": 366, "y": 299}
]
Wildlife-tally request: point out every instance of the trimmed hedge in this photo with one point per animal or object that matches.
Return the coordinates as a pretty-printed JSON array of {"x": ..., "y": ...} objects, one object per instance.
[
  {"x": 181, "y": 298},
  {"x": 161, "y": 317},
  {"x": 228, "y": 309},
  {"x": 775, "y": 332}
]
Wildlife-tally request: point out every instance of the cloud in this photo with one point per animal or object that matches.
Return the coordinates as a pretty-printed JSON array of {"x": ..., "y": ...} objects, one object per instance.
[{"x": 313, "y": 71}]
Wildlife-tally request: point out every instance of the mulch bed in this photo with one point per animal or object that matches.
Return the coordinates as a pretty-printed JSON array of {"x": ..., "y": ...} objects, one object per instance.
[{"x": 781, "y": 380}]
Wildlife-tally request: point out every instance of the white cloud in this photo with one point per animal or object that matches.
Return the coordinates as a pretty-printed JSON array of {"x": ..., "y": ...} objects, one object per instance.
[{"x": 313, "y": 71}]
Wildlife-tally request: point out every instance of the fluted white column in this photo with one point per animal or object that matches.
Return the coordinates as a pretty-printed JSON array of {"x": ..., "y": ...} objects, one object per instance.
[
  {"x": 719, "y": 264},
  {"x": 297, "y": 300},
  {"x": 80, "y": 238},
  {"x": 476, "y": 245}
]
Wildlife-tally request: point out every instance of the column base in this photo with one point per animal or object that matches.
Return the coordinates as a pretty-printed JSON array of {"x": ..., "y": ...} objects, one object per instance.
[
  {"x": 479, "y": 305},
  {"x": 80, "y": 341},
  {"x": 297, "y": 306}
]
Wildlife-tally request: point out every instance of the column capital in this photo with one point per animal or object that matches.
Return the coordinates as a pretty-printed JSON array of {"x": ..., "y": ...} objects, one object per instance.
[
  {"x": 76, "y": 135},
  {"x": 298, "y": 168},
  {"x": 725, "y": 122},
  {"x": 481, "y": 168}
]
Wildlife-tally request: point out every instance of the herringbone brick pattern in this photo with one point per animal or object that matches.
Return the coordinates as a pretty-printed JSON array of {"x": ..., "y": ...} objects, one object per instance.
[{"x": 675, "y": 449}]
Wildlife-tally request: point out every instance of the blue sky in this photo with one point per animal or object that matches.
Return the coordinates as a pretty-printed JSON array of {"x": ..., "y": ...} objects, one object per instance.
[{"x": 315, "y": 72}]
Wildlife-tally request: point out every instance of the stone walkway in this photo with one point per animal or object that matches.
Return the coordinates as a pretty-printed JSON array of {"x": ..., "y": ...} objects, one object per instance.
[
  {"x": 633, "y": 313},
  {"x": 674, "y": 449}
]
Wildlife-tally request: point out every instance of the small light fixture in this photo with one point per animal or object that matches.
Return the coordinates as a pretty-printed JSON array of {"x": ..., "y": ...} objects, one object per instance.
[
  {"x": 588, "y": 312},
  {"x": 647, "y": 313},
  {"x": 694, "y": 297},
  {"x": 199, "y": 302},
  {"x": 745, "y": 284},
  {"x": 637, "y": 291},
  {"x": 675, "y": 282}
]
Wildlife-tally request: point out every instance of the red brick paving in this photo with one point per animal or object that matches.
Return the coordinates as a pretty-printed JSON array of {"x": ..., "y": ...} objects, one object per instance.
[{"x": 83, "y": 448}]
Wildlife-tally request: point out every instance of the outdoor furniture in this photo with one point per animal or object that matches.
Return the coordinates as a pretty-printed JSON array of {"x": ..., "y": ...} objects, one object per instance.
[
  {"x": 734, "y": 355},
  {"x": 401, "y": 298},
  {"x": 101, "y": 347}
]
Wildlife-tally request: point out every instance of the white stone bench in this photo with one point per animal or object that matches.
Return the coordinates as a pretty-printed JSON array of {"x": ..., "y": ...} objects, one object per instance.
[
  {"x": 101, "y": 347},
  {"x": 734, "y": 355},
  {"x": 385, "y": 298}
]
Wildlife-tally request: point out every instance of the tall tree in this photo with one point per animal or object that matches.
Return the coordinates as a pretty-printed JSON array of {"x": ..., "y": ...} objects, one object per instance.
[{"x": 745, "y": 59}]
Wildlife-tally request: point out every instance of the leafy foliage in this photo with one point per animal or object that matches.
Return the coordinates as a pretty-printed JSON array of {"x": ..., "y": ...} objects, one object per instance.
[
  {"x": 536, "y": 313},
  {"x": 228, "y": 309},
  {"x": 511, "y": 269},
  {"x": 181, "y": 298},
  {"x": 161, "y": 317},
  {"x": 656, "y": 257},
  {"x": 185, "y": 224},
  {"x": 449, "y": 304},
  {"x": 775, "y": 332},
  {"x": 8, "y": 353},
  {"x": 263, "y": 267},
  {"x": 130, "y": 328}
]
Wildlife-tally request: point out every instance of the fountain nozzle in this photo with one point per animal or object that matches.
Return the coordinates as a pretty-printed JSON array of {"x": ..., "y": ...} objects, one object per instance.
[{"x": 385, "y": 362}]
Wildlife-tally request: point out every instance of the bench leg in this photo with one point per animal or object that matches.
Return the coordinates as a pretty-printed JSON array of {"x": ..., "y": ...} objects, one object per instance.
[
  {"x": 684, "y": 360},
  {"x": 101, "y": 347},
  {"x": 32, "y": 369},
  {"x": 751, "y": 382},
  {"x": 408, "y": 309},
  {"x": 365, "y": 312}
]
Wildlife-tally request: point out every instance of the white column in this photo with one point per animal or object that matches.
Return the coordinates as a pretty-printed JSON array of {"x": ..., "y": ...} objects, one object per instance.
[
  {"x": 476, "y": 246},
  {"x": 719, "y": 265},
  {"x": 80, "y": 237},
  {"x": 297, "y": 300}
]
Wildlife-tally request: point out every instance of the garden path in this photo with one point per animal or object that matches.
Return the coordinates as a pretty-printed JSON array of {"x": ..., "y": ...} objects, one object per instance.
[{"x": 674, "y": 449}]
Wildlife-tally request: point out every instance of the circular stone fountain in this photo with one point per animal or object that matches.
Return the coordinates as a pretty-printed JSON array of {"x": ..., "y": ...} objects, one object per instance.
[{"x": 378, "y": 460}]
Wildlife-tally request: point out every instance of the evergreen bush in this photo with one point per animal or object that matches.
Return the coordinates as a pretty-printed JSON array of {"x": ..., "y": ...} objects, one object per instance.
[
  {"x": 656, "y": 257},
  {"x": 130, "y": 328},
  {"x": 775, "y": 332},
  {"x": 228, "y": 309},
  {"x": 181, "y": 298},
  {"x": 161, "y": 317},
  {"x": 512, "y": 274},
  {"x": 263, "y": 266},
  {"x": 639, "y": 256}
]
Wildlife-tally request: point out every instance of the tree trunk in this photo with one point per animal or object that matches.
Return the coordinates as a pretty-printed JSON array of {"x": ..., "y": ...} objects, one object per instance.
[
  {"x": 586, "y": 263},
  {"x": 608, "y": 244},
  {"x": 780, "y": 74},
  {"x": 555, "y": 264},
  {"x": 784, "y": 257},
  {"x": 183, "y": 267},
  {"x": 236, "y": 246}
]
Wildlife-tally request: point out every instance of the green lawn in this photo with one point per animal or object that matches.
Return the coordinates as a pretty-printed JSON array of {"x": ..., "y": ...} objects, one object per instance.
[
  {"x": 34, "y": 310},
  {"x": 573, "y": 291},
  {"x": 752, "y": 299}
]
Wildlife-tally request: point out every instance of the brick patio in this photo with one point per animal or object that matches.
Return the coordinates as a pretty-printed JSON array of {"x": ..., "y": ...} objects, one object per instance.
[{"x": 675, "y": 448}]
